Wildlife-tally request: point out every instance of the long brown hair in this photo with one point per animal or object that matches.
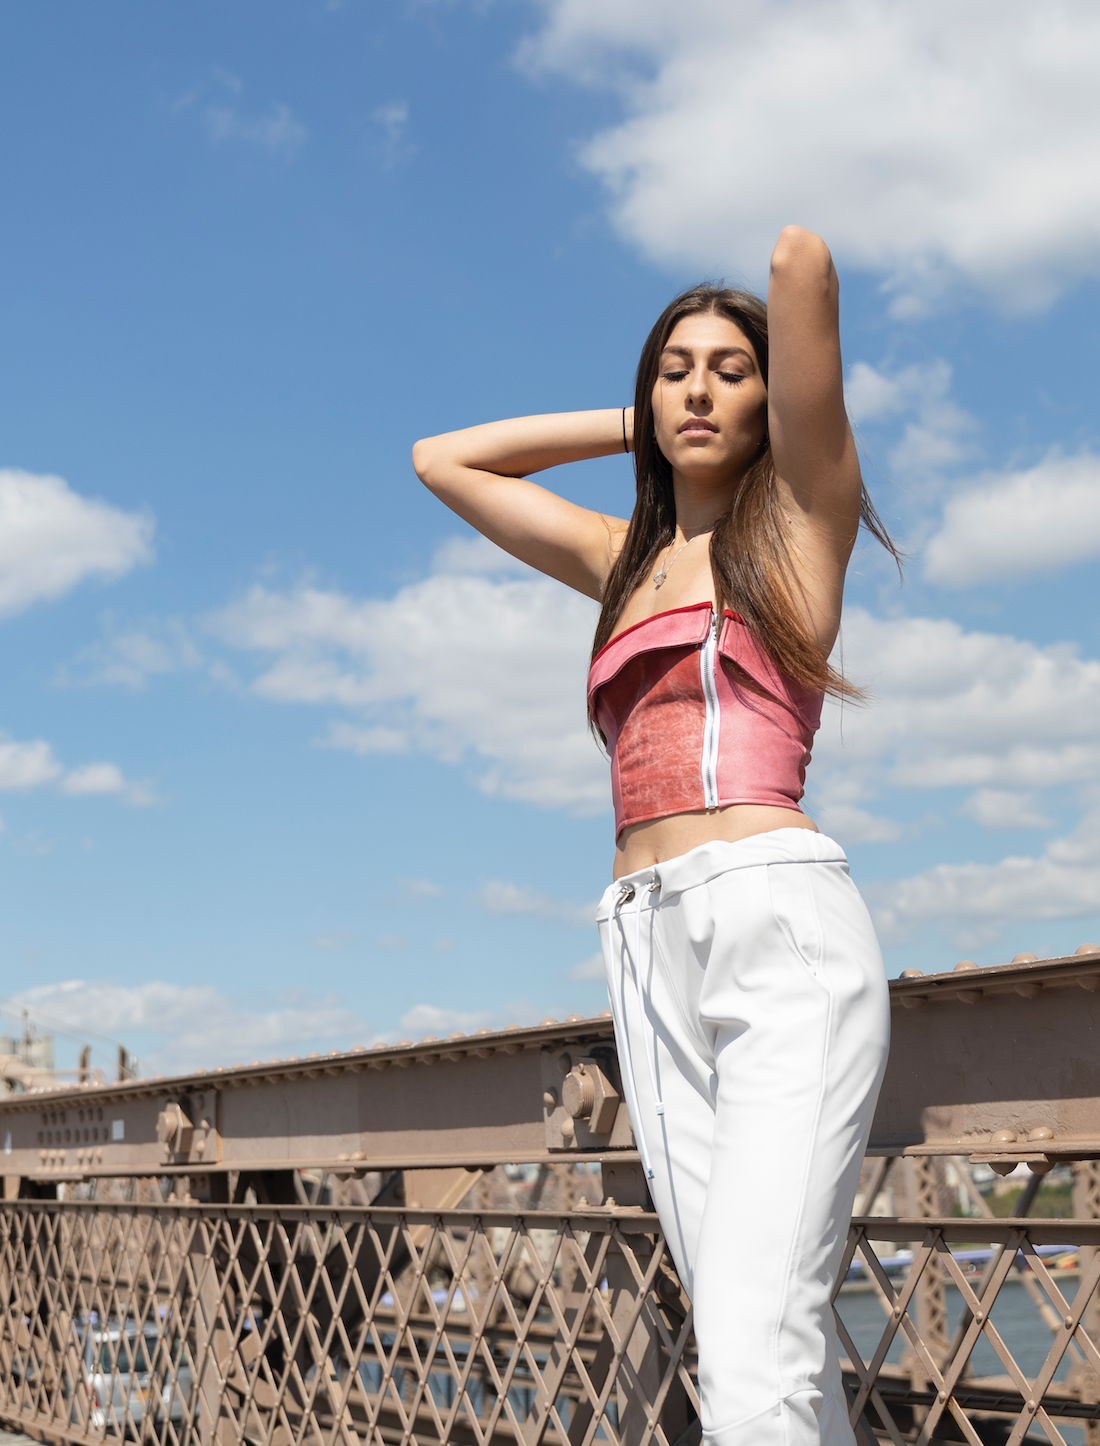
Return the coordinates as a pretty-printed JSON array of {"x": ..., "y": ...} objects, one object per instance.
[{"x": 749, "y": 555}]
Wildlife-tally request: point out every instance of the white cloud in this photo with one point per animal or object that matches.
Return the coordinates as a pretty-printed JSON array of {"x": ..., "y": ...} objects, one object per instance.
[
  {"x": 129, "y": 657},
  {"x": 51, "y": 539},
  {"x": 497, "y": 897},
  {"x": 939, "y": 434},
  {"x": 952, "y": 708},
  {"x": 996, "y": 714},
  {"x": 482, "y": 663},
  {"x": 590, "y": 970},
  {"x": 393, "y": 118},
  {"x": 177, "y": 1027},
  {"x": 479, "y": 557},
  {"x": 855, "y": 825},
  {"x": 1019, "y": 523},
  {"x": 425, "y": 1019},
  {"x": 418, "y": 891},
  {"x": 977, "y": 899},
  {"x": 925, "y": 142},
  {"x": 33, "y": 765},
  {"x": 106, "y": 778},
  {"x": 27, "y": 765},
  {"x": 279, "y": 132},
  {"x": 998, "y": 808},
  {"x": 439, "y": 1021},
  {"x": 364, "y": 740}
]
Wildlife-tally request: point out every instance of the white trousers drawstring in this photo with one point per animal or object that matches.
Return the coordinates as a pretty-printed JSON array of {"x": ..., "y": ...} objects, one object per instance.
[
  {"x": 626, "y": 893},
  {"x": 751, "y": 981}
]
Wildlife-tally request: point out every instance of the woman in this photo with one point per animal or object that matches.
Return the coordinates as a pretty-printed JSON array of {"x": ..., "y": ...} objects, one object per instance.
[{"x": 748, "y": 991}]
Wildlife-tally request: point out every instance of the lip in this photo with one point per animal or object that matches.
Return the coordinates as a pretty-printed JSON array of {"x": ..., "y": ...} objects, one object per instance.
[{"x": 698, "y": 424}]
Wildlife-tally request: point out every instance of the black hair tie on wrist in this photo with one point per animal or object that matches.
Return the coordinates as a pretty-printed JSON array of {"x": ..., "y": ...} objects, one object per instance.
[{"x": 625, "y": 447}]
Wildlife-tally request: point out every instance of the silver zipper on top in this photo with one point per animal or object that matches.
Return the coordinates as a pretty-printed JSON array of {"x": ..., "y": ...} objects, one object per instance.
[{"x": 708, "y": 662}]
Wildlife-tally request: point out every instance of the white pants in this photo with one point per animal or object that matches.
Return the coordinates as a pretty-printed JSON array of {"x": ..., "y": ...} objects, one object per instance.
[{"x": 752, "y": 1024}]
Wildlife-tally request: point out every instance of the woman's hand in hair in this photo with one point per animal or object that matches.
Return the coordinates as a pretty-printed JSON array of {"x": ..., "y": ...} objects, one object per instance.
[{"x": 481, "y": 473}]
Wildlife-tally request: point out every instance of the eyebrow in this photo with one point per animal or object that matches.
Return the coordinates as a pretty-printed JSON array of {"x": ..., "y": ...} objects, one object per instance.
[{"x": 685, "y": 351}]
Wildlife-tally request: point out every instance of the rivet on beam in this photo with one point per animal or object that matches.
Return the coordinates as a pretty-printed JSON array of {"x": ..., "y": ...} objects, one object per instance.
[
  {"x": 1038, "y": 1137},
  {"x": 913, "y": 1001},
  {"x": 999, "y": 1140},
  {"x": 486, "y": 1051},
  {"x": 967, "y": 996},
  {"x": 456, "y": 1056},
  {"x": 516, "y": 1048}
]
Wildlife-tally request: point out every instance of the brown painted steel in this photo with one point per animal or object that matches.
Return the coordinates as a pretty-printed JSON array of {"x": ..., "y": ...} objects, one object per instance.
[
  {"x": 1001, "y": 1063},
  {"x": 977, "y": 1057}
]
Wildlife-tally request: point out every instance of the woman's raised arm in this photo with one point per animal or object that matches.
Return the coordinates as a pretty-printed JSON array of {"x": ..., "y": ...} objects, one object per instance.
[
  {"x": 481, "y": 472},
  {"x": 812, "y": 444}
]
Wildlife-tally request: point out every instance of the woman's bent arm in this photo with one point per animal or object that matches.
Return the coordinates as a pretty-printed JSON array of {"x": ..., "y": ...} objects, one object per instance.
[
  {"x": 812, "y": 443},
  {"x": 480, "y": 473}
]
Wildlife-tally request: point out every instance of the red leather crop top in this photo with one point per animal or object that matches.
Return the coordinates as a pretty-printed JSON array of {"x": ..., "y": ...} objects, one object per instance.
[{"x": 697, "y": 716}]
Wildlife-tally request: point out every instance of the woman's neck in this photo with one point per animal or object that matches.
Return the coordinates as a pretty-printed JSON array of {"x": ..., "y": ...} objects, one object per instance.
[{"x": 699, "y": 505}]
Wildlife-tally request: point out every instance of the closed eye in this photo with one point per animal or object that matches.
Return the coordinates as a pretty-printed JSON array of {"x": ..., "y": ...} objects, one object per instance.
[
  {"x": 673, "y": 376},
  {"x": 733, "y": 377}
]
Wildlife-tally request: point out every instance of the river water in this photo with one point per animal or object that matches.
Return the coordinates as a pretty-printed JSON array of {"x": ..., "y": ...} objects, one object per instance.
[{"x": 1014, "y": 1315}]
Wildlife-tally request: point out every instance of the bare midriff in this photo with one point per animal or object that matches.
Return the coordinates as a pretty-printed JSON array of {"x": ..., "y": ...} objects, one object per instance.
[{"x": 641, "y": 845}]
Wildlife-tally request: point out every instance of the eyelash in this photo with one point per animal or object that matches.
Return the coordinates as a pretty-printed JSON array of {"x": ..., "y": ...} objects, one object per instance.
[{"x": 733, "y": 378}]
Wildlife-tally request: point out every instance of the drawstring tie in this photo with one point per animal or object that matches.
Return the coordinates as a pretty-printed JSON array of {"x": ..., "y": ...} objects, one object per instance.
[{"x": 626, "y": 893}]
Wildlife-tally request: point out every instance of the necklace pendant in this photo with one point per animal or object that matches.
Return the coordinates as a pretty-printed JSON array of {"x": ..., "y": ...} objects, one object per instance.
[{"x": 659, "y": 577}]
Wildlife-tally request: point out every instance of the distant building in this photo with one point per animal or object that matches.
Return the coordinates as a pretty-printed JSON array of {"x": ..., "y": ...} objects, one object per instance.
[{"x": 26, "y": 1063}]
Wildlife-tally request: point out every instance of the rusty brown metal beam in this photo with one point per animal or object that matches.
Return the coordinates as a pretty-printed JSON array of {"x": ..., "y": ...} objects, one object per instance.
[
  {"x": 464, "y": 1101},
  {"x": 1002, "y": 1064}
]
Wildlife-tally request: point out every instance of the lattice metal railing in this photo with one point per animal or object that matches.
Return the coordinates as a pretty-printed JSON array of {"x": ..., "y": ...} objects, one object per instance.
[
  {"x": 307, "y": 1325},
  {"x": 186, "y": 1323},
  {"x": 937, "y": 1379}
]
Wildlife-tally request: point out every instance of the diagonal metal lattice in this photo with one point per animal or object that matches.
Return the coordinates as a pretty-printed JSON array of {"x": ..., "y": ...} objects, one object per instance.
[
  {"x": 188, "y": 1325},
  {"x": 299, "y": 1326}
]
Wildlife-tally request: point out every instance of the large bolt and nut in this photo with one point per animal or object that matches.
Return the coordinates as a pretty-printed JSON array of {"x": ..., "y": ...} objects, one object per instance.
[{"x": 578, "y": 1092}]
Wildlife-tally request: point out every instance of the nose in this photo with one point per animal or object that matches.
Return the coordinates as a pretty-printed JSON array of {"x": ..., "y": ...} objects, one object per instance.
[{"x": 698, "y": 387}]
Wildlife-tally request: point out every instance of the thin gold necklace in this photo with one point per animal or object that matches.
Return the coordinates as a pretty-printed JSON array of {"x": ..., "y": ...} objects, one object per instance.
[{"x": 663, "y": 571}]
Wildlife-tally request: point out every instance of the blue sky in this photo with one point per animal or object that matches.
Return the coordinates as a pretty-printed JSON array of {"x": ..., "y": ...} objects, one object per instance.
[{"x": 290, "y": 760}]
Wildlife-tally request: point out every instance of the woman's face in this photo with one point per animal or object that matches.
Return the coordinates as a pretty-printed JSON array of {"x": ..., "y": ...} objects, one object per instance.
[{"x": 710, "y": 405}]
